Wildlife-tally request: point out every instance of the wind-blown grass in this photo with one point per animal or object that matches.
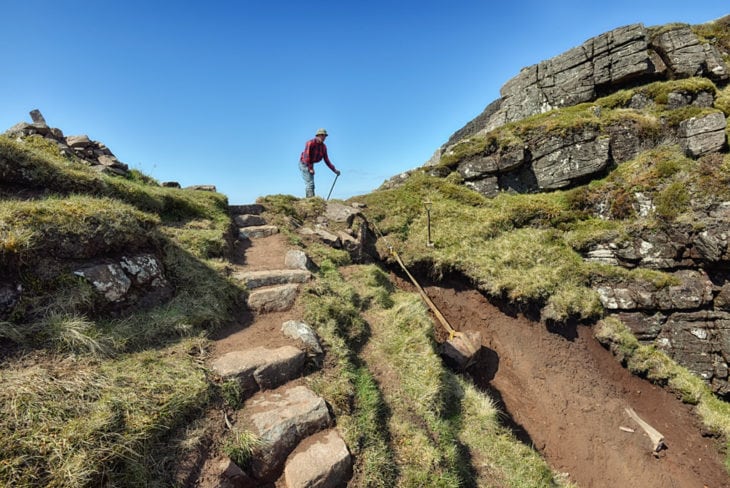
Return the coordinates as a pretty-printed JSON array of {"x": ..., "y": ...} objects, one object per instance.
[{"x": 76, "y": 422}]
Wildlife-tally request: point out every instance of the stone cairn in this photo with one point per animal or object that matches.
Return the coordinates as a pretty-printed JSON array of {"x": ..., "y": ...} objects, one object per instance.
[
  {"x": 90, "y": 152},
  {"x": 83, "y": 149}
]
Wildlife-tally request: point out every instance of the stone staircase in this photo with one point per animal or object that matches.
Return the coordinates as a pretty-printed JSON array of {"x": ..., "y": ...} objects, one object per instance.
[{"x": 299, "y": 446}]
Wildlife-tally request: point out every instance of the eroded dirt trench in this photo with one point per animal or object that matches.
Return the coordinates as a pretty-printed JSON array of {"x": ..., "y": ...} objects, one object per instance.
[{"x": 566, "y": 395}]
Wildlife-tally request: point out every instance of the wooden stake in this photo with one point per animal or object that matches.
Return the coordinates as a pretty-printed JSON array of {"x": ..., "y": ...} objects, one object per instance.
[{"x": 656, "y": 437}]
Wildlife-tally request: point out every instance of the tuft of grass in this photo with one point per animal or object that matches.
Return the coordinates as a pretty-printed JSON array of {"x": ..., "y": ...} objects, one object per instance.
[
  {"x": 232, "y": 393},
  {"x": 75, "y": 227},
  {"x": 240, "y": 446},
  {"x": 672, "y": 200}
]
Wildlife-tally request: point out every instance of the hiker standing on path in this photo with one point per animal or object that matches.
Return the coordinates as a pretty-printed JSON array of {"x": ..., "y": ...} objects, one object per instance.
[{"x": 314, "y": 151}]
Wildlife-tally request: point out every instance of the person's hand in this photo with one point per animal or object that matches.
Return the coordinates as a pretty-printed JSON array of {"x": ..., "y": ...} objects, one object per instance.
[
  {"x": 311, "y": 170},
  {"x": 337, "y": 172}
]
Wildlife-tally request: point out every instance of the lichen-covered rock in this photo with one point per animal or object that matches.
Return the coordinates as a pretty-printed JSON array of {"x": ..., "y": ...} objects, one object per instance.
[
  {"x": 557, "y": 161},
  {"x": 303, "y": 332},
  {"x": 685, "y": 56},
  {"x": 702, "y": 135},
  {"x": 144, "y": 269},
  {"x": 108, "y": 279}
]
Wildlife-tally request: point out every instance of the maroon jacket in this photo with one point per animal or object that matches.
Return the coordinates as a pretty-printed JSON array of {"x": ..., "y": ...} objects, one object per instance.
[{"x": 314, "y": 152}]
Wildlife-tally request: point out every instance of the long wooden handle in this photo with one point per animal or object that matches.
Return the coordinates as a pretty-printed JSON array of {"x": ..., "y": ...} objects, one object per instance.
[{"x": 426, "y": 299}]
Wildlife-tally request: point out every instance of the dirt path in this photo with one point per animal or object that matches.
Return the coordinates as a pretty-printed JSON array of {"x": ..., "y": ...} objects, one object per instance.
[
  {"x": 249, "y": 331},
  {"x": 564, "y": 394},
  {"x": 567, "y": 395},
  {"x": 256, "y": 329}
]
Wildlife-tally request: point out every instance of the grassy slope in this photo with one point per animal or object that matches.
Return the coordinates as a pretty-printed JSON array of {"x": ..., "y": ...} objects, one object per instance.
[
  {"x": 94, "y": 399},
  {"x": 86, "y": 395}
]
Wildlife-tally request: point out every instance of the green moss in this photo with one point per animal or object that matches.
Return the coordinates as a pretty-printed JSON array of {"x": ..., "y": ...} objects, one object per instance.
[
  {"x": 464, "y": 149},
  {"x": 722, "y": 102},
  {"x": 659, "y": 91},
  {"x": 672, "y": 200}
]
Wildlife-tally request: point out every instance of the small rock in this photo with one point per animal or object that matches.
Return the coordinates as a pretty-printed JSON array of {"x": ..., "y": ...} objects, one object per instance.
[
  {"x": 303, "y": 332},
  {"x": 297, "y": 259},
  {"x": 108, "y": 279},
  {"x": 37, "y": 117}
]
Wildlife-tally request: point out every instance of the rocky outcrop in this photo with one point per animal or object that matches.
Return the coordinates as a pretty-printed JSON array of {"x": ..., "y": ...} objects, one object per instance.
[
  {"x": 703, "y": 135},
  {"x": 603, "y": 64},
  {"x": 686, "y": 314},
  {"x": 688, "y": 317},
  {"x": 344, "y": 227},
  {"x": 686, "y": 56},
  {"x": 576, "y": 76}
]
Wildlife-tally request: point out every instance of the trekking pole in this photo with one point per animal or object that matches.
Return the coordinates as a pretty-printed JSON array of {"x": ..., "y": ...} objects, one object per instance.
[{"x": 332, "y": 188}]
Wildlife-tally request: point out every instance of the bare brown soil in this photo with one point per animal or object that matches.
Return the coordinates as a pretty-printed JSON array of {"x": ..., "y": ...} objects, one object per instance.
[
  {"x": 561, "y": 392},
  {"x": 566, "y": 395}
]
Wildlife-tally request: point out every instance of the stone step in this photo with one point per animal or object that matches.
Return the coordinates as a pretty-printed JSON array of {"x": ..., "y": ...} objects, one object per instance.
[
  {"x": 252, "y": 209},
  {"x": 273, "y": 299},
  {"x": 257, "y": 231},
  {"x": 261, "y": 368},
  {"x": 282, "y": 419},
  {"x": 248, "y": 220},
  {"x": 322, "y": 460},
  {"x": 259, "y": 279}
]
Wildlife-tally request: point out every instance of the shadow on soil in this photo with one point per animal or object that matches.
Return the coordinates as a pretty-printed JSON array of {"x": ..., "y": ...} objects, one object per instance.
[{"x": 482, "y": 372}]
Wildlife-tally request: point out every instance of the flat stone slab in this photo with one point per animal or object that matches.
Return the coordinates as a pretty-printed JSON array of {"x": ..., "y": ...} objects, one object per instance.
[
  {"x": 324, "y": 463},
  {"x": 273, "y": 299},
  {"x": 248, "y": 220},
  {"x": 252, "y": 209},
  {"x": 281, "y": 419},
  {"x": 258, "y": 279},
  {"x": 261, "y": 367},
  {"x": 257, "y": 231}
]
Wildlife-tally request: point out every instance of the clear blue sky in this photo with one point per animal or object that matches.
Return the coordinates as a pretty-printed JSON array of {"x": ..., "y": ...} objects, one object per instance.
[{"x": 227, "y": 92}]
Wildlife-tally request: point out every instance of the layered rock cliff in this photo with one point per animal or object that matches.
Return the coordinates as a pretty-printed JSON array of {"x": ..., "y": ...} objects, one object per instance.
[{"x": 630, "y": 97}]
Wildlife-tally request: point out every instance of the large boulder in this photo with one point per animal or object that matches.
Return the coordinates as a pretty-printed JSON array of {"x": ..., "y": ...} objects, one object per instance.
[
  {"x": 324, "y": 463},
  {"x": 281, "y": 419}
]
